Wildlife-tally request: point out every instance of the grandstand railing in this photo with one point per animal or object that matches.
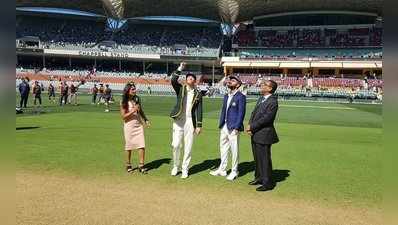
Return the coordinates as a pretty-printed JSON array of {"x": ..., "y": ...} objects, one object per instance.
[{"x": 137, "y": 49}]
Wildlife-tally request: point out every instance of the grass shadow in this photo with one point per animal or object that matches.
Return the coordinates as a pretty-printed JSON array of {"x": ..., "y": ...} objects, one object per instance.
[
  {"x": 205, "y": 165},
  {"x": 26, "y": 128},
  {"x": 246, "y": 167},
  {"x": 280, "y": 175},
  {"x": 157, "y": 163}
]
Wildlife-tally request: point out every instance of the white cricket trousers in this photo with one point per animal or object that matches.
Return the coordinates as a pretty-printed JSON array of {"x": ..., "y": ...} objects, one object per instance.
[
  {"x": 229, "y": 141},
  {"x": 183, "y": 133}
]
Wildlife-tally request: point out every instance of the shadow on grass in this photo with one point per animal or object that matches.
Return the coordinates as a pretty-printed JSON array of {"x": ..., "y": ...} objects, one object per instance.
[
  {"x": 157, "y": 163},
  {"x": 26, "y": 128},
  {"x": 280, "y": 175},
  {"x": 277, "y": 175},
  {"x": 246, "y": 167},
  {"x": 205, "y": 165}
]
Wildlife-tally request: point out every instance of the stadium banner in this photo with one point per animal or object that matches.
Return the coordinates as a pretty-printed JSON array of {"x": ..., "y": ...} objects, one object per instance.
[
  {"x": 117, "y": 55},
  {"x": 330, "y": 64},
  {"x": 302, "y": 64},
  {"x": 230, "y": 59},
  {"x": 294, "y": 65},
  {"x": 184, "y": 57},
  {"x": 359, "y": 65}
]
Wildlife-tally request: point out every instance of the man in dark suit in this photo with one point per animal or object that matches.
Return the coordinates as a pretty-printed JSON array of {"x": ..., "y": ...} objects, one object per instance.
[
  {"x": 231, "y": 124},
  {"x": 24, "y": 90},
  {"x": 263, "y": 134}
]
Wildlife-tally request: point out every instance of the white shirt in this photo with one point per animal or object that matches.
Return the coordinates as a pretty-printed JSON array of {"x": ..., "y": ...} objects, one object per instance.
[
  {"x": 265, "y": 97},
  {"x": 188, "y": 102},
  {"x": 231, "y": 94}
]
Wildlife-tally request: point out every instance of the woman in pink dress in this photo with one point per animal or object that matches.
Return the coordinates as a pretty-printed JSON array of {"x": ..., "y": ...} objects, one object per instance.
[{"x": 134, "y": 120}]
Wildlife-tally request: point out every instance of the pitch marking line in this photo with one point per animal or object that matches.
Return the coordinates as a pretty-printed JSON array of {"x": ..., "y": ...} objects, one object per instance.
[
  {"x": 318, "y": 107},
  {"x": 311, "y": 106}
]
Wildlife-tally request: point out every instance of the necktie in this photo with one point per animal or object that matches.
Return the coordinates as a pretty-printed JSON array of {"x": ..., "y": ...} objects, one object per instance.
[{"x": 259, "y": 100}]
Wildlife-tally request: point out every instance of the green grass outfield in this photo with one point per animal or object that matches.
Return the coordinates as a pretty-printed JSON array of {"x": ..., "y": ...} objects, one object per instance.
[{"x": 328, "y": 152}]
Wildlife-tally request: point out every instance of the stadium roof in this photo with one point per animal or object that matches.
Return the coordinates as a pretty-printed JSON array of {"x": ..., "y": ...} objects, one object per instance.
[{"x": 219, "y": 10}]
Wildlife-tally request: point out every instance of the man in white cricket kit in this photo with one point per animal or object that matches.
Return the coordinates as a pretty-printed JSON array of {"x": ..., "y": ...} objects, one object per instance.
[
  {"x": 231, "y": 124},
  {"x": 187, "y": 116}
]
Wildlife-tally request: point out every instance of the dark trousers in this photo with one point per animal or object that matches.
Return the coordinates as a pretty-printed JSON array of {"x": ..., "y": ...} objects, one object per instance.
[
  {"x": 51, "y": 94},
  {"x": 262, "y": 158},
  {"x": 24, "y": 100},
  {"x": 37, "y": 97},
  {"x": 94, "y": 98},
  {"x": 65, "y": 98}
]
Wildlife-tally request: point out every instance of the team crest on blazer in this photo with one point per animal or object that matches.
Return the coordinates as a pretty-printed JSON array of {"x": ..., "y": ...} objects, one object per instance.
[{"x": 234, "y": 104}]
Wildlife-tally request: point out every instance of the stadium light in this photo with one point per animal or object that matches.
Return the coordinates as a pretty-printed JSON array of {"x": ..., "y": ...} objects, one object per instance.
[{"x": 114, "y": 8}]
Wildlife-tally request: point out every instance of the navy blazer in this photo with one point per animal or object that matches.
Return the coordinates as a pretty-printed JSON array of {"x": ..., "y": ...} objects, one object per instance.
[{"x": 236, "y": 112}]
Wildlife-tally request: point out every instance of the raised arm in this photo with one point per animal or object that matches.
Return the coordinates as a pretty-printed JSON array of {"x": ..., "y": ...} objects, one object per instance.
[{"x": 174, "y": 78}]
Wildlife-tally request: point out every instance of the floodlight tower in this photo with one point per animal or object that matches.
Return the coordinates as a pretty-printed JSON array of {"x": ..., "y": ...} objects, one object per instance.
[{"x": 115, "y": 11}]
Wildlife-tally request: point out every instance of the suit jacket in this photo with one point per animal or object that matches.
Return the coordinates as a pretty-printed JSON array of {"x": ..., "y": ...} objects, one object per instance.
[
  {"x": 181, "y": 91},
  {"x": 235, "y": 114},
  {"x": 262, "y": 121},
  {"x": 24, "y": 88}
]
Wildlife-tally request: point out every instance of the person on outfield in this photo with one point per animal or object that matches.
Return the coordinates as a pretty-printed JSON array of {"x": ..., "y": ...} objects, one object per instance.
[
  {"x": 24, "y": 90},
  {"x": 101, "y": 91},
  {"x": 64, "y": 89},
  {"x": 94, "y": 92},
  {"x": 263, "y": 134},
  {"x": 36, "y": 91},
  {"x": 73, "y": 94},
  {"x": 231, "y": 124},
  {"x": 187, "y": 118},
  {"x": 107, "y": 96},
  {"x": 51, "y": 93},
  {"x": 134, "y": 120}
]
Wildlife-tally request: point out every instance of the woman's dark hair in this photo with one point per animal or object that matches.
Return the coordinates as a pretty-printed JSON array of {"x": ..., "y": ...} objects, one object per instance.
[{"x": 126, "y": 97}]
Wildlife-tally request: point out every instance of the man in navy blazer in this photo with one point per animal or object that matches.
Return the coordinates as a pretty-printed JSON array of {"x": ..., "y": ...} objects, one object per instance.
[{"x": 231, "y": 124}]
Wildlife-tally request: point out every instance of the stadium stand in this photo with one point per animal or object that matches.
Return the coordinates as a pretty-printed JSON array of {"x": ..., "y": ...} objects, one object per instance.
[
  {"x": 144, "y": 50},
  {"x": 294, "y": 86},
  {"x": 294, "y": 53},
  {"x": 57, "y": 33},
  {"x": 310, "y": 37}
]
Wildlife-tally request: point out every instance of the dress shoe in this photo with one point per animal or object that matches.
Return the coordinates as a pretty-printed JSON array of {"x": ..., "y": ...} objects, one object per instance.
[
  {"x": 264, "y": 188},
  {"x": 254, "y": 182}
]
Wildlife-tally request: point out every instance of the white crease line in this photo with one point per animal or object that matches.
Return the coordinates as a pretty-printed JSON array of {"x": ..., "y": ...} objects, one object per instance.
[{"x": 317, "y": 107}]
